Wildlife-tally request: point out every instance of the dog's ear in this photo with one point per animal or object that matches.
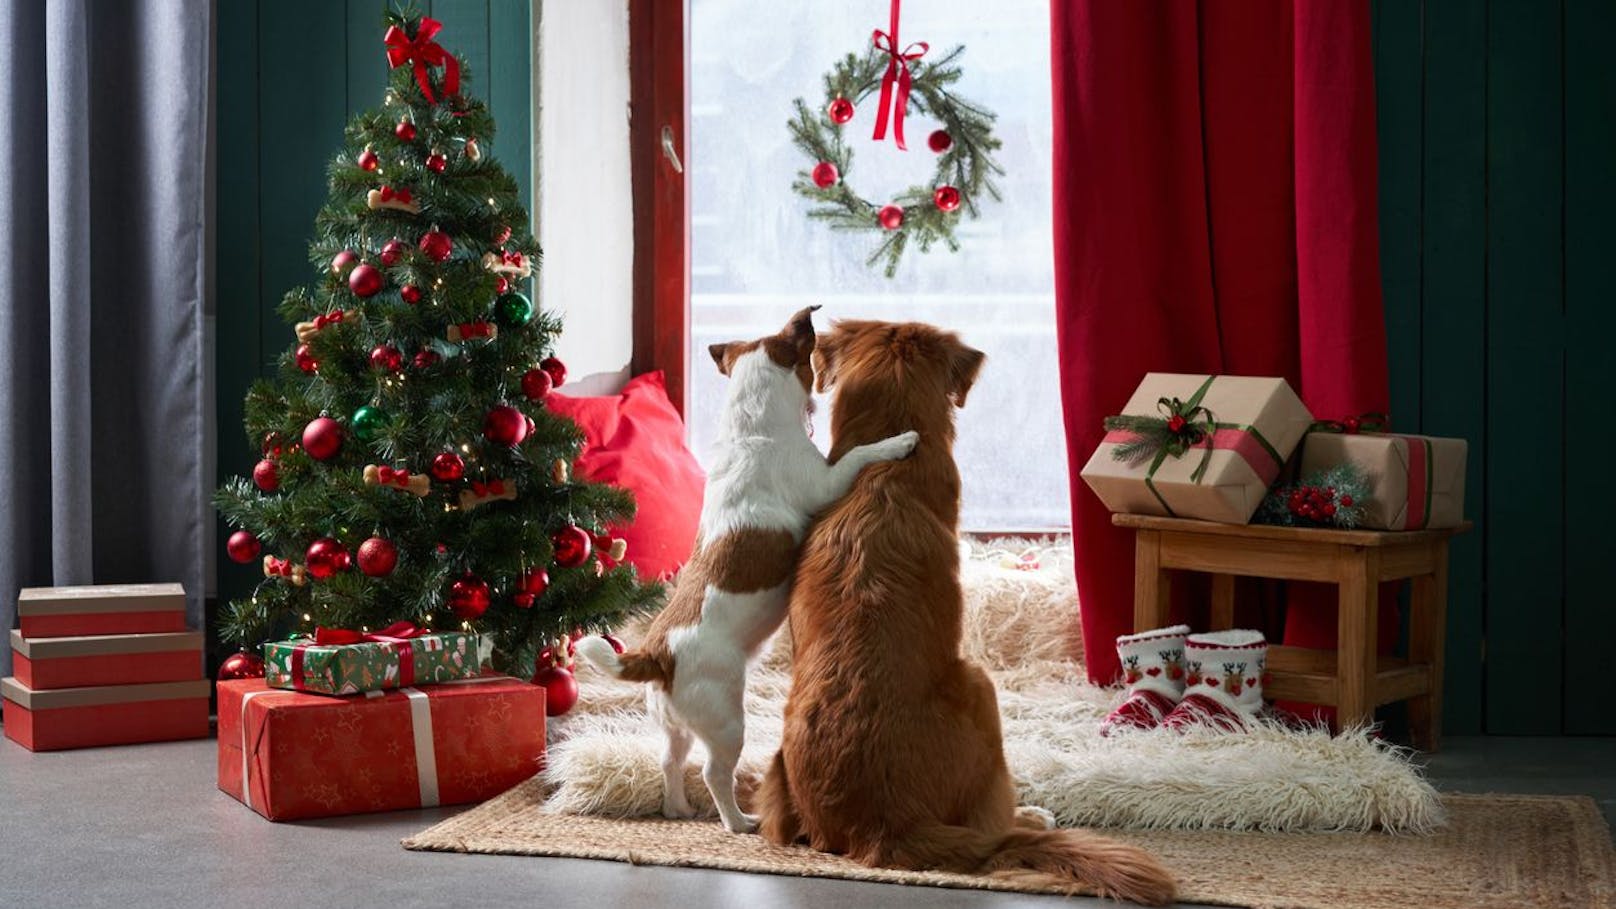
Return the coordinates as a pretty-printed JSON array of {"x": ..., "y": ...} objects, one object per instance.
[
  {"x": 720, "y": 354},
  {"x": 825, "y": 352},
  {"x": 800, "y": 331},
  {"x": 963, "y": 365}
]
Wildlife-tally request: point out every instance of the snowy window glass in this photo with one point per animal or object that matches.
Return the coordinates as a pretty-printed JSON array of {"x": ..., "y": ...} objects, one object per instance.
[{"x": 756, "y": 258}]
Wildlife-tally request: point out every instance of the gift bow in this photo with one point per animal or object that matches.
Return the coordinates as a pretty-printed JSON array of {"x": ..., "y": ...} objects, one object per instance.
[
  {"x": 398, "y": 631},
  {"x": 399, "y": 478},
  {"x": 330, "y": 318},
  {"x": 1372, "y": 421},
  {"x": 389, "y": 194},
  {"x": 897, "y": 71},
  {"x": 423, "y": 52},
  {"x": 274, "y": 566},
  {"x": 475, "y": 329},
  {"x": 490, "y": 488},
  {"x": 511, "y": 258}
]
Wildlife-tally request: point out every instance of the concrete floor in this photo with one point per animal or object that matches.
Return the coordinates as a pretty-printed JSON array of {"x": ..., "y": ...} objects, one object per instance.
[{"x": 146, "y": 826}]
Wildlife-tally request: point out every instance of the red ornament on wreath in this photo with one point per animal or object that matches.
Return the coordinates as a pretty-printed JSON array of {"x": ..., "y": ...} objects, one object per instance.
[
  {"x": 468, "y": 597},
  {"x": 365, "y": 280},
  {"x": 322, "y": 438},
  {"x": 447, "y": 467},
  {"x": 304, "y": 358},
  {"x": 939, "y": 141},
  {"x": 840, "y": 110},
  {"x": 536, "y": 384},
  {"x": 410, "y": 293},
  {"x": 377, "y": 557},
  {"x": 505, "y": 425},
  {"x": 267, "y": 475},
  {"x": 891, "y": 217},
  {"x": 560, "y": 689},
  {"x": 946, "y": 198},
  {"x": 556, "y": 369},
  {"x": 243, "y": 547},
  {"x": 241, "y": 665},
  {"x": 825, "y": 175},
  {"x": 386, "y": 358},
  {"x": 437, "y": 245},
  {"x": 392, "y": 251},
  {"x": 436, "y": 163},
  {"x": 367, "y": 159},
  {"x": 572, "y": 546},
  {"x": 405, "y": 130},
  {"x": 325, "y": 557}
]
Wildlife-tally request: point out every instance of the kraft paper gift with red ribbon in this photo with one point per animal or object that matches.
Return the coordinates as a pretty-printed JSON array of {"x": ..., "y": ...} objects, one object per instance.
[
  {"x": 289, "y": 755},
  {"x": 1227, "y": 439},
  {"x": 1415, "y": 482},
  {"x": 338, "y": 661}
]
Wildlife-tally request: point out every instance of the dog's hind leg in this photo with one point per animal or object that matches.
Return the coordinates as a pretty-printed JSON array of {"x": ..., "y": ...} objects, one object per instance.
[
  {"x": 777, "y": 813},
  {"x": 719, "y": 720},
  {"x": 675, "y": 803}
]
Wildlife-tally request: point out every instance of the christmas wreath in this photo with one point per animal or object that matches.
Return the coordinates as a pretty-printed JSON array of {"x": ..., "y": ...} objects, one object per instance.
[{"x": 924, "y": 213}]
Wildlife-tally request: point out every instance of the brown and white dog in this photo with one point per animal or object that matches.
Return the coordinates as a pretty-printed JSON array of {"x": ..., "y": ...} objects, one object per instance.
[
  {"x": 767, "y": 482},
  {"x": 892, "y": 753}
]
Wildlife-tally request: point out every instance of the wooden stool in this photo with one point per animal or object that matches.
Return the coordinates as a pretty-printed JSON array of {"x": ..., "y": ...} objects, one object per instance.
[{"x": 1352, "y": 679}]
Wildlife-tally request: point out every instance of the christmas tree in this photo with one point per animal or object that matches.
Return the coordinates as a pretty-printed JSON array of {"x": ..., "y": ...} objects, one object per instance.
[{"x": 407, "y": 424}]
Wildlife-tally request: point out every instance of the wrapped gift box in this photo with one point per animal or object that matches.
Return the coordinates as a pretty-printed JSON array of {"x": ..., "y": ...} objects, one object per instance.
[
  {"x": 105, "y": 715},
  {"x": 306, "y": 664},
  {"x": 54, "y": 612},
  {"x": 288, "y": 755},
  {"x": 1251, "y": 425},
  {"x": 110, "y": 659},
  {"x": 1415, "y": 482}
]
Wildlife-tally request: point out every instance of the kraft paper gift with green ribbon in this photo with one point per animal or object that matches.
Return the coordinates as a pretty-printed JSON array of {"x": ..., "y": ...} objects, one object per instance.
[
  {"x": 1417, "y": 482},
  {"x": 1197, "y": 446},
  {"x": 340, "y": 661}
]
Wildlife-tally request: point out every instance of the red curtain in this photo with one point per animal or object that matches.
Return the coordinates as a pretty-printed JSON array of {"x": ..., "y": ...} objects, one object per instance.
[{"x": 1215, "y": 196}]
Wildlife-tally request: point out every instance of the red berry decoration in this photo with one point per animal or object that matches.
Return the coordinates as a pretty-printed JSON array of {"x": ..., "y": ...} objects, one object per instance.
[
  {"x": 326, "y": 557},
  {"x": 386, "y": 358},
  {"x": 392, "y": 251},
  {"x": 377, "y": 557},
  {"x": 405, "y": 130},
  {"x": 505, "y": 425},
  {"x": 556, "y": 369},
  {"x": 447, "y": 467},
  {"x": 1346, "y": 501},
  {"x": 437, "y": 245},
  {"x": 436, "y": 163},
  {"x": 241, "y": 665},
  {"x": 939, "y": 141},
  {"x": 560, "y": 689},
  {"x": 1175, "y": 423},
  {"x": 891, "y": 217},
  {"x": 410, "y": 293},
  {"x": 572, "y": 546},
  {"x": 426, "y": 357},
  {"x": 243, "y": 547},
  {"x": 840, "y": 110},
  {"x": 946, "y": 198},
  {"x": 367, "y": 159},
  {"x": 1352, "y": 425},
  {"x": 267, "y": 475},
  {"x": 365, "y": 280},
  {"x": 343, "y": 261},
  {"x": 273, "y": 445},
  {"x": 305, "y": 359},
  {"x": 536, "y": 384},
  {"x": 825, "y": 174},
  {"x": 468, "y": 597},
  {"x": 322, "y": 438}
]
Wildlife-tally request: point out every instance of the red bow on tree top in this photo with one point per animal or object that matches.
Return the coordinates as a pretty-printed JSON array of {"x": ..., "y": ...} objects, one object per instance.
[
  {"x": 897, "y": 71},
  {"x": 423, "y": 52}
]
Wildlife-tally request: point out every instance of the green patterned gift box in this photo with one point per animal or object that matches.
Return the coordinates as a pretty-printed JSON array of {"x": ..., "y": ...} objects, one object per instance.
[{"x": 337, "y": 661}]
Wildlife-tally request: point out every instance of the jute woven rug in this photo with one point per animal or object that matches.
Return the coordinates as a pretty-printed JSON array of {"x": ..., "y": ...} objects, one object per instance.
[{"x": 1498, "y": 852}]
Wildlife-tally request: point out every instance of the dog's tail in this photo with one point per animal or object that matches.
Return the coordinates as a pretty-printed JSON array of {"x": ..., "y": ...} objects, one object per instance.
[
  {"x": 633, "y": 666},
  {"x": 1073, "y": 859}
]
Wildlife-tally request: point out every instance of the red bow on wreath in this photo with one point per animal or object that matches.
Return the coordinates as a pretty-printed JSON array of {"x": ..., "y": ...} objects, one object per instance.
[
  {"x": 490, "y": 488},
  {"x": 329, "y": 318},
  {"x": 389, "y": 194},
  {"x": 326, "y": 637},
  {"x": 423, "y": 52},
  {"x": 897, "y": 71},
  {"x": 400, "y": 478}
]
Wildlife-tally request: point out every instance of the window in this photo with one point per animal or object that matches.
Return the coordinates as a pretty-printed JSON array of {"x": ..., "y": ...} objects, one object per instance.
[{"x": 756, "y": 258}]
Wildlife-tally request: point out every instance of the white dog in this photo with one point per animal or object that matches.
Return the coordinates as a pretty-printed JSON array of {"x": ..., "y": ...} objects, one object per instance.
[{"x": 766, "y": 486}]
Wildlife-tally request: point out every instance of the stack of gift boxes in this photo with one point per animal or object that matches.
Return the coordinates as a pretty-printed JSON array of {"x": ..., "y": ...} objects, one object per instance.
[
  {"x": 104, "y": 665},
  {"x": 344, "y": 722}
]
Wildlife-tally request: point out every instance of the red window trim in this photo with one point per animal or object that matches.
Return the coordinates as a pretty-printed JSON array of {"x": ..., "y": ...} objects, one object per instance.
[{"x": 658, "y": 75}]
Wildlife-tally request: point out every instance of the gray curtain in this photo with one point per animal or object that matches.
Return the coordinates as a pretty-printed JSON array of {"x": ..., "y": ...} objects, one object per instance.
[{"x": 103, "y": 193}]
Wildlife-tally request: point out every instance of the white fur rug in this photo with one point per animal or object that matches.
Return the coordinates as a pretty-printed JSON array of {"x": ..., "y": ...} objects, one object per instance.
[{"x": 604, "y": 757}]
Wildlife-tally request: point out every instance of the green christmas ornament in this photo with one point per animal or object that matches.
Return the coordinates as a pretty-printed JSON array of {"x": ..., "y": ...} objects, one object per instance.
[
  {"x": 513, "y": 310},
  {"x": 367, "y": 422}
]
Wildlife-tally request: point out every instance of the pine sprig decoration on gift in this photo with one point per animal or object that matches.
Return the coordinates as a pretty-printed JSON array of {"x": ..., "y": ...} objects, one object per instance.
[
  {"x": 407, "y": 471},
  {"x": 1333, "y": 497}
]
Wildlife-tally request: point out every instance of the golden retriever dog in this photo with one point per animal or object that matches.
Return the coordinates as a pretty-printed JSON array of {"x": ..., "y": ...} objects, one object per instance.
[{"x": 892, "y": 753}]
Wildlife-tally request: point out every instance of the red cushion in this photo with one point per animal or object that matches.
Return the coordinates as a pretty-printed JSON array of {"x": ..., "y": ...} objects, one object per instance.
[{"x": 636, "y": 440}]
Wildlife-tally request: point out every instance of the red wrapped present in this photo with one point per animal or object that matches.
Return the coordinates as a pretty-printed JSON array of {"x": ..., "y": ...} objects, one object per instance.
[
  {"x": 311, "y": 755},
  {"x": 55, "y": 612},
  {"x": 108, "y": 659},
  {"x": 104, "y": 715}
]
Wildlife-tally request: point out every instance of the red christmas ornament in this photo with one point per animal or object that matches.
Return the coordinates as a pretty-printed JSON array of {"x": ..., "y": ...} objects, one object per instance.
[
  {"x": 365, "y": 280},
  {"x": 572, "y": 546},
  {"x": 502, "y": 285},
  {"x": 536, "y": 383},
  {"x": 343, "y": 261},
  {"x": 325, "y": 557},
  {"x": 437, "y": 245},
  {"x": 392, "y": 251},
  {"x": 436, "y": 163},
  {"x": 535, "y": 581},
  {"x": 367, "y": 159},
  {"x": 377, "y": 557},
  {"x": 556, "y": 369},
  {"x": 447, "y": 467},
  {"x": 322, "y": 438},
  {"x": 946, "y": 198},
  {"x": 939, "y": 141},
  {"x": 405, "y": 130},
  {"x": 426, "y": 357},
  {"x": 840, "y": 110},
  {"x": 468, "y": 597},
  {"x": 305, "y": 359},
  {"x": 243, "y": 547},
  {"x": 560, "y": 689},
  {"x": 502, "y": 235},
  {"x": 891, "y": 217},
  {"x": 266, "y": 475},
  {"x": 241, "y": 665},
  {"x": 825, "y": 174},
  {"x": 410, "y": 293},
  {"x": 386, "y": 358},
  {"x": 505, "y": 425}
]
